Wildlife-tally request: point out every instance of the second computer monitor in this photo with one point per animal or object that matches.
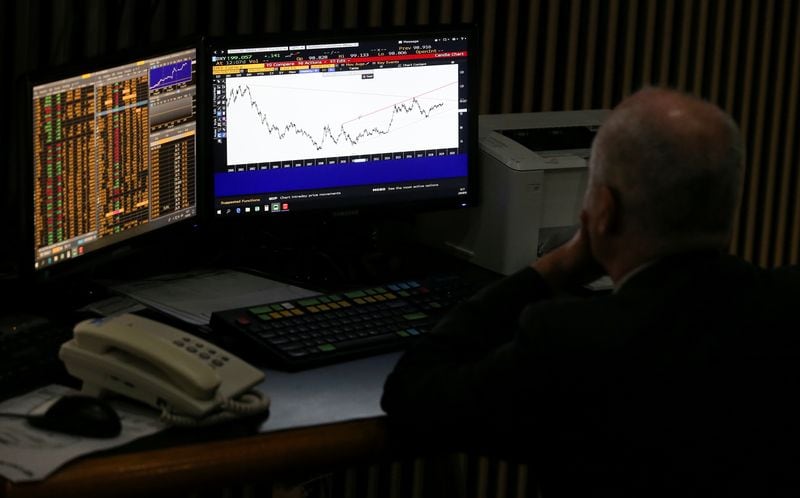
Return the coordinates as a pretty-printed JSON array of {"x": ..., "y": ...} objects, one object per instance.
[
  {"x": 113, "y": 153},
  {"x": 343, "y": 122}
]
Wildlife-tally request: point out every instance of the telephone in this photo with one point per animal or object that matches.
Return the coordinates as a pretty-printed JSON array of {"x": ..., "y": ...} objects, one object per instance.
[{"x": 191, "y": 381}]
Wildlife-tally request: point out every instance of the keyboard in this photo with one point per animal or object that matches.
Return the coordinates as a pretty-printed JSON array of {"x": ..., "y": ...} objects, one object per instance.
[{"x": 329, "y": 328}]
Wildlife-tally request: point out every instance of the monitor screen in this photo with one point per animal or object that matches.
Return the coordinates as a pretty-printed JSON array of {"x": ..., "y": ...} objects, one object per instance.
[
  {"x": 342, "y": 122},
  {"x": 113, "y": 154}
]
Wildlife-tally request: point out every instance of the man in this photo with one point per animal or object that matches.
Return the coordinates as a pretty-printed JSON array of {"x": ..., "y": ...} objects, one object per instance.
[{"x": 681, "y": 382}]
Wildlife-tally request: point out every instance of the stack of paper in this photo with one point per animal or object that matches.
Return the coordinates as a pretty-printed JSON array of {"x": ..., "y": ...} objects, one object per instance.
[{"x": 193, "y": 296}]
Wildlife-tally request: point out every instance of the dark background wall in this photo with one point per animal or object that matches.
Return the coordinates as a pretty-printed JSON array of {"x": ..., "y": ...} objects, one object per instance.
[{"x": 537, "y": 55}]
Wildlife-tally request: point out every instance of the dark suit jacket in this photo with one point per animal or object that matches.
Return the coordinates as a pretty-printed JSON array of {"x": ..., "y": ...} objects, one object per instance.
[{"x": 684, "y": 381}]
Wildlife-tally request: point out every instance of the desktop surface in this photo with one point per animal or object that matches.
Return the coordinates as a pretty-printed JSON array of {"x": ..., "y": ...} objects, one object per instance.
[{"x": 320, "y": 419}]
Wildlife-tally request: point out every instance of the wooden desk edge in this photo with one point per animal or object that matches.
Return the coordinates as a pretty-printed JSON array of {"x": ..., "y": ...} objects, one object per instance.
[{"x": 255, "y": 458}]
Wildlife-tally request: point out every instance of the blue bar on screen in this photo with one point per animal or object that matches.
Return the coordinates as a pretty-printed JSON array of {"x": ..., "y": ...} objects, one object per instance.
[{"x": 339, "y": 175}]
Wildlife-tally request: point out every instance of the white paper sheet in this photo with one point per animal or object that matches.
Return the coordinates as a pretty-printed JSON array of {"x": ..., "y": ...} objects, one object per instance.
[
  {"x": 31, "y": 454},
  {"x": 192, "y": 297}
]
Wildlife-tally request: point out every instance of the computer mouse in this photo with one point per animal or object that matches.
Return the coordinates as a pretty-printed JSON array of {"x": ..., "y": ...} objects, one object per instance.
[{"x": 80, "y": 416}]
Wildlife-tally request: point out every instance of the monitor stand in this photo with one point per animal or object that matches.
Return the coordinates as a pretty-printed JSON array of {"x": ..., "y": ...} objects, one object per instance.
[{"x": 335, "y": 253}]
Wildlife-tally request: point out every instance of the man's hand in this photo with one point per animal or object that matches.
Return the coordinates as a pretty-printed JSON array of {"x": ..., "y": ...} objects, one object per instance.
[{"x": 570, "y": 264}]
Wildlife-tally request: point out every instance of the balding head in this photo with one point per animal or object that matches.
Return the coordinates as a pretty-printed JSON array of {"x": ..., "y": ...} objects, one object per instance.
[{"x": 674, "y": 164}]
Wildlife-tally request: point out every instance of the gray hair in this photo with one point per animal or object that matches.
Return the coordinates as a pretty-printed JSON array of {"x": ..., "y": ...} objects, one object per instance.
[{"x": 675, "y": 179}]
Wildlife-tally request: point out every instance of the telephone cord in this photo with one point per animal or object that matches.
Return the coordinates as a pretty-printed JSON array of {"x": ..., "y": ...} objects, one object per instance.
[{"x": 249, "y": 403}]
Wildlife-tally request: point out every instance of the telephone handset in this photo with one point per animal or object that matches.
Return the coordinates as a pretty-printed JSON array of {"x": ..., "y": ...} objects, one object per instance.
[{"x": 190, "y": 380}]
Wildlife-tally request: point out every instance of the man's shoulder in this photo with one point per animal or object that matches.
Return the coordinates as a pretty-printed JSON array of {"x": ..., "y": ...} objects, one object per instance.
[{"x": 576, "y": 322}]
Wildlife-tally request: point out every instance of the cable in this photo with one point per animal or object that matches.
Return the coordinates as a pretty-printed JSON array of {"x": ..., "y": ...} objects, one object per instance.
[{"x": 250, "y": 403}]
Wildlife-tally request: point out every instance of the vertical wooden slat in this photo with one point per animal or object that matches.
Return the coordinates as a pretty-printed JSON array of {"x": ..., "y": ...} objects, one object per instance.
[
  {"x": 187, "y": 17},
  {"x": 531, "y": 43},
  {"x": 244, "y": 24},
  {"x": 350, "y": 13},
  {"x": 461, "y": 478},
  {"x": 300, "y": 21},
  {"x": 630, "y": 47},
  {"x": 771, "y": 250},
  {"x": 686, "y": 38},
  {"x": 666, "y": 42},
  {"x": 351, "y": 483},
  {"x": 748, "y": 210},
  {"x": 445, "y": 11},
  {"x": 501, "y": 487},
  {"x": 572, "y": 55},
  {"x": 324, "y": 17},
  {"x": 757, "y": 167},
  {"x": 649, "y": 39},
  {"x": 28, "y": 49},
  {"x": 482, "y": 479},
  {"x": 468, "y": 11},
  {"x": 700, "y": 49},
  {"x": 611, "y": 47},
  {"x": 217, "y": 9},
  {"x": 423, "y": 11},
  {"x": 399, "y": 14},
  {"x": 418, "y": 478},
  {"x": 373, "y": 481},
  {"x": 95, "y": 28},
  {"x": 522, "y": 480},
  {"x": 272, "y": 16},
  {"x": 510, "y": 62},
  {"x": 591, "y": 42},
  {"x": 730, "y": 94},
  {"x": 125, "y": 31},
  {"x": 375, "y": 13},
  {"x": 733, "y": 56},
  {"x": 486, "y": 63},
  {"x": 550, "y": 52},
  {"x": 718, "y": 51},
  {"x": 792, "y": 149},
  {"x": 395, "y": 479}
]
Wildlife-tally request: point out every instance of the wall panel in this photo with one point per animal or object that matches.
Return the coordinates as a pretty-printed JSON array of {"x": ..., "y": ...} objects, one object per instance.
[{"x": 582, "y": 54}]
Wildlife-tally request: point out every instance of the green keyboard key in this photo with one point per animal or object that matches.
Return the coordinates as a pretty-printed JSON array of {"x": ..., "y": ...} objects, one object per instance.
[
  {"x": 415, "y": 316},
  {"x": 260, "y": 310},
  {"x": 308, "y": 302},
  {"x": 355, "y": 294}
]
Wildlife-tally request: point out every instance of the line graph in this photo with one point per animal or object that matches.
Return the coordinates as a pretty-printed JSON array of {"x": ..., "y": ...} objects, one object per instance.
[
  {"x": 328, "y": 134},
  {"x": 171, "y": 74},
  {"x": 317, "y": 115}
]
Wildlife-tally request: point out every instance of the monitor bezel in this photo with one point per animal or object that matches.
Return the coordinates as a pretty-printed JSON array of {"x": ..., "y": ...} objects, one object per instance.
[
  {"x": 101, "y": 260},
  {"x": 370, "y": 211}
]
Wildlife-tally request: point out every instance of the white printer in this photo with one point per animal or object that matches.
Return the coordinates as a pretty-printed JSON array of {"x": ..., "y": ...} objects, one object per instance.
[{"x": 533, "y": 172}]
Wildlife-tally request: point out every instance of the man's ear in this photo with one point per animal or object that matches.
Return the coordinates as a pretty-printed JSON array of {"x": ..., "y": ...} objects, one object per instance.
[{"x": 607, "y": 213}]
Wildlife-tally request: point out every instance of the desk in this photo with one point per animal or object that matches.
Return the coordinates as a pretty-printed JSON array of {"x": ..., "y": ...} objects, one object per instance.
[
  {"x": 319, "y": 420},
  {"x": 194, "y": 467}
]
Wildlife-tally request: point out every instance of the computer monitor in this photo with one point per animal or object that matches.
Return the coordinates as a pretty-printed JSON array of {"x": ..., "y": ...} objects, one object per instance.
[
  {"x": 342, "y": 123},
  {"x": 113, "y": 154}
]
